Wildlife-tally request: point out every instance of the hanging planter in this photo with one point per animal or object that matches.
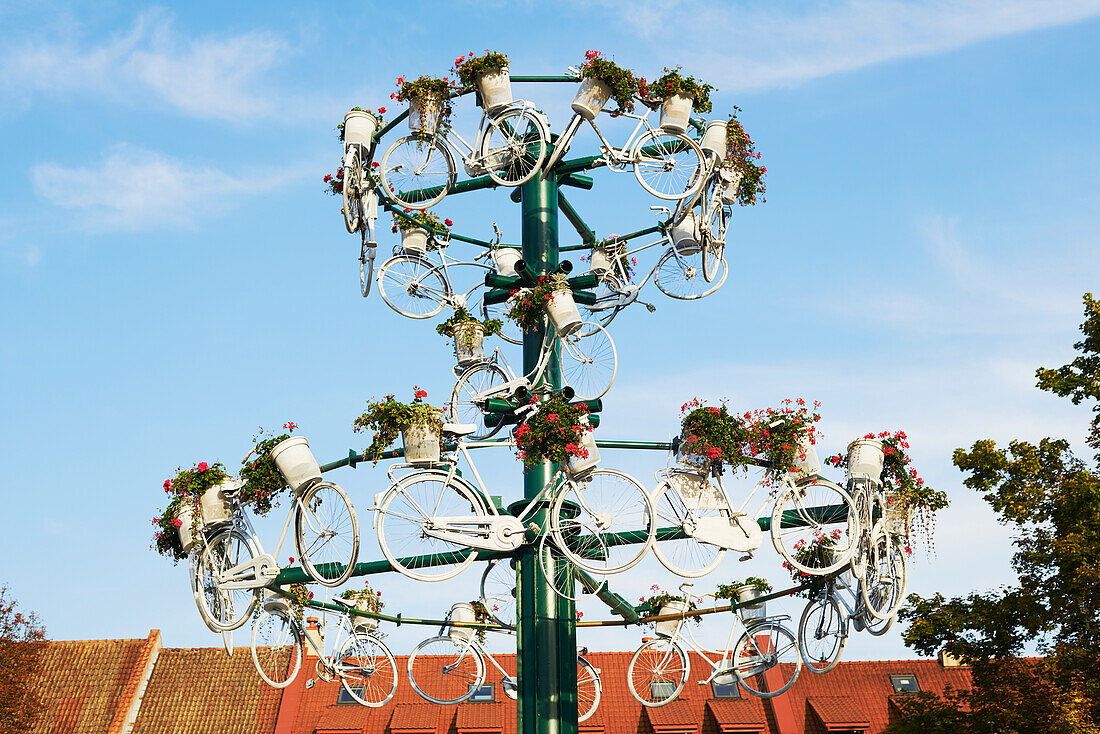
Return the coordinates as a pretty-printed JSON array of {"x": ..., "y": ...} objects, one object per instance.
[
  {"x": 416, "y": 227},
  {"x": 469, "y": 335},
  {"x": 197, "y": 502},
  {"x": 187, "y": 538},
  {"x": 555, "y": 433},
  {"x": 742, "y": 156},
  {"x": 489, "y": 73},
  {"x": 275, "y": 602},
  {"x": 421, "y": 442},
  {"x": 429, "y": 103},
  {"x": 414, "y": 240},
  {"x": 681, "y": 94},
  {"x": 213, "y": 504},
  {"x": 563, "y": 312},
  {"x": 591, "y": 98},
  {"x": 675, "y": 112},
  {"x": 296, "y": 463},
  {"x": 668, "y": 627},
  {"x": 496, "y": 89},
  {"x": 731, "y": 184},
  {"x": 587, "y": 458},
  {"x": 603, "y": 80},
  {"x": 531, "y": 305},
  {"x": 865, "y": 459},
  {"x": 661, "y": 602},
  {"x": 686, "y": 235},
  {"x": 505, "y": 259},
  {"x": 604, "y": 255},
  {"x": 748, "y": 593},
  {"x": 806, "y": 463},
  {"x": 417, "y": 423},
  {"x": 359, "y": 128},
  {"x": 714, "y": 139},
  {"x": 424, "y": 114}
]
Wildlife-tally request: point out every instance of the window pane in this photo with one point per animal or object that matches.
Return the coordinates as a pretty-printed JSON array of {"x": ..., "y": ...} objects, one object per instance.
[
  {"x": 659, "y": 690},
  {"x": 484, "y": 693},
  {"x": 345, "y": 697},
  {"x": 905, "y": 683}
]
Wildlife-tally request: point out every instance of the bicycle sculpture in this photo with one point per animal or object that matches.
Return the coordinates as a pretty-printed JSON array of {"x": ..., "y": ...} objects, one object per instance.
[{"x": 579, "y": 523}]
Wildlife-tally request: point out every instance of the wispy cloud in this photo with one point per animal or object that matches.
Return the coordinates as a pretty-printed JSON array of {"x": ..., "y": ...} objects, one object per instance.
[
  {"x": 133, "y": 188},
  {"x": 740, "y": 48},
  {"x": 212, "y": 76}
]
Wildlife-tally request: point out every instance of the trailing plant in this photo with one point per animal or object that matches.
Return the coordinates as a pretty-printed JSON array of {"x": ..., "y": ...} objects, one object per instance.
[
  {"x": 187, "y": 487},
  {"x": 659, "y": 597},
  {"x": 622, "y": 81},
  {"x": 334, "y": 183},
  {"x": 673, "y": 82},
  {"x": 553, "y": 433},
  {"x": 469, "y": 68},
  {"x": 916, "y": 501},
  {"x": 481, "y": 614},
  {"x": 774, "y": 433},
  {"x": 388, "y": 417},
  {"x": 378, "y": 119},
  {"x": 298, "y": 596},
  {"x": 262, "y": 480},
  {"x": 424, "y": 89},
  {"x": 467, "y": 338},
  {"x": 365, "y": 599},
  {"x": 422, "y": 219},
  {"x": 741, "y": 155},
  {"x": 817, "y": 553},
  {"x": 729, "y": 591},
  {"x": 529, "y": 304},
  {"x": 709, "y": 435},
  {"x": 616, "y": 249}
]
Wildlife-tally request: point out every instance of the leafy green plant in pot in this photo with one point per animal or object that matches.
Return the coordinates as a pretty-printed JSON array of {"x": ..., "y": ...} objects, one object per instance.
[
  {"x": 189, "y": 504},
  {"x": 415, "y": 227},
  {"x": 530, "y": 305},
  {"x": 603, "y": 79},
  {"x": 782, "y": 437},
  {"x": 557, "y": 432},
  {"x": 489, "y": 73},
  {"x": 359, "y": 125},
  {"x": 742, "y": 157},
  {"x": 815, "y": 553},
  {"x": 468, "y": 333},
  {"x": 262, "y": 480},
  {"x": 388, "y": 418},
  {"x": 673, "y": 604},
  {"x": 680, "y": 94},
  {"x": 743, "y": 591},
  {"x": 710, "y": 436},
  {"x": 429, "y": 103}
]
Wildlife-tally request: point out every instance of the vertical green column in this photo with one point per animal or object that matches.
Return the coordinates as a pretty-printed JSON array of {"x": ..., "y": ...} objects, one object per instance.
[{"x": 546, "y": 646}]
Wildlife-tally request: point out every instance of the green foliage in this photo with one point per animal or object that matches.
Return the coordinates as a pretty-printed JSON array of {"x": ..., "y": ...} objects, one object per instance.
[
  {"x": 659, "y": 597},
  {"x": 481, "y": 614},
  {"x": 615, "y": 249},
  {"x": 462, "y": 316},
  {"x": 553, "y": 433},
  {"x": 1080, "y": 378},
  {"x": 709, "y": 434},
  {"x": 298, "y": 596},
  {"x": 334, "y": 182},
  {"x": 729, "y": 591},
  {"x": 673, "y": 82},
  {"x": 186, "y": 488},
  {"x": 815, "y": 554},
  {"x": 529, "y": 304},
  {"x": 424, "y": 90},
  {"x": 262, "y": 480},
  {"x": 469, "y": 68},
  {"x": 742, "y": 156},
  {"x": 622, "y": 81},
  {"x": 1052, "y": 499},
  {"x": 22, "y": 640},
  {"x": 388, "y": 417},
  {"x": 367, "y": 598},
  {"x": 423, "y": 219}
]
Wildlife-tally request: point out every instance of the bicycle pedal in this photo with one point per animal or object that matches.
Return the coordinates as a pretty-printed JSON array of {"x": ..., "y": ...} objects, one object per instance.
[
  {"x": 746, "y": 557},
  {"x": 651, "y": 307},
  {"x": 309, "y": 683}
]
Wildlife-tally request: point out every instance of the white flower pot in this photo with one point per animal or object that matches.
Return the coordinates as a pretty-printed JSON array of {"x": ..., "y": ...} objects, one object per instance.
[
  {"x": 603, "y": 259},
  {"x": 808, "y": 466},
  {"x": 366, "y": 625},
  {"x": 496, "y": 90},
  {"x": 750, "y": 611},
  {"x": 865, "y": 459},
  {"x": 668, "y": 627},
  {"x": 187, "y": 540},
  {"x": 214, "y": 505},
  {"x": 675, "y": 112},
  {"x": 414, "y": 240},
  {"x": 462, "y": 612},
  {"x": 577, "y": 465},
  {"x": 295, "y": 462},
  {"x": 424, "y": 114},
  {"x": 469, "y": 343},
  {"x": 591, "y": 98},
  {"x": 359, "y": 127},
  {"x": 275, "y": 603},
  {"x": 505, "y": 259},
  {"x": 714, "y": 139},
  {"x": 421, "y": 444},
  {"x": 685, "y": 235},
  {"x": 731, "y": 179},
  {"x": 563, "y": 313}
]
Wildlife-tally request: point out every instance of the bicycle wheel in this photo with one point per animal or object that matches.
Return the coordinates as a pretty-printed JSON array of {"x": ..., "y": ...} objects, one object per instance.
[
  {"x": 657, "y": 672},
  {"x": 276, "y": 648},
  {"x": 513, "y": 147},
  {"x": 714, "y": 244},
  {"x": 668, "y": 165},
  {"x": 606, "y": 307},
  {"x": 498, "y": 591},
  {"x": 589, "y": 361},
  {"x": 804, "y": 514},
  {"x": 445, "y": 671},
  {"x": 367, "y": 670},
  {"x": 561, "y": 573},
  {"x": 417, "y": 172},
  {"x": 326, "y": 533},
  {"x": 222, "y": 609},
  {"x": 509, "y": 330},
  {"x": 682, "y": 502},
  {"x": 680, "y": 275},
  {"x": 405, "y": 514},
  {"x": 352, "y": 203},
  {"x": 474, "y": 385},
  {"x": 762, "y": 648},
  {"x": 590, "y": 515},
  {"x": 413, "y": 287},
  {"x": 588, "y": 689},
  {"x": 883, "y": 589},
  {"x": 822, "y": 633}
]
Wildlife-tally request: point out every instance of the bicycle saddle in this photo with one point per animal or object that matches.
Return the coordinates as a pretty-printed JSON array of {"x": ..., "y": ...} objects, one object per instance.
[
  {"x": 343, "y": 603},
  {"x": 650, "y": 103},
  {"x": 459, "y": 429}
]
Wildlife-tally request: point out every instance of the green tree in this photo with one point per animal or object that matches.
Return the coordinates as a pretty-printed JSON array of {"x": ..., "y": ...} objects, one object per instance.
[
  {"x": 21, "y": 640},
  {"x": 1052, "y": 499}
]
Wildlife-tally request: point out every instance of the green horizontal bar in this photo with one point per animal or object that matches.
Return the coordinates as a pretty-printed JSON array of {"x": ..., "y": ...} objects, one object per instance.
[
  {"x": 297, "y": 575},
  {"x": 594, "y": 406},
  {"x": 399, "y": 619},
  {"x": 577, "y": 181},
  {"x": 507, "y": 282},
  {"x": 633, "y": 235},
  {"x": 645, "y": 445},
  {"x": 588, "y": 298},
  {"x": 581, "y": 282},
  {"x": 824, "y": 514},
  {"x": 470, "y": 184},
  {"x": 618, "y": 604},
  {"x": 498, "y": 295}
]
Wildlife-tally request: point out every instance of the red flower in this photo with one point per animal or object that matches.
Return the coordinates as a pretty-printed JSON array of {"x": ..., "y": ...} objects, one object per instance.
[
  {"x": 177, "y": 522},
  {"x": 290, "y": 425},
  {"x": 291, "y": 559},
  {"x": 167, "y": 485},
  {"x": 203, "y": 466},
  {"x": 374, "y": 164},
  {"x": 381, "y": 110},
  {"x": 448, "y": 222},
  {"x": 420, "y": 394}
]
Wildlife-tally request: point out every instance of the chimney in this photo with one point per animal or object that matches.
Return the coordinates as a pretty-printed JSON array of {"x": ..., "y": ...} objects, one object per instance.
[
  {"x": 948, "y": 660},
  {"x": 313, "y": 632}
]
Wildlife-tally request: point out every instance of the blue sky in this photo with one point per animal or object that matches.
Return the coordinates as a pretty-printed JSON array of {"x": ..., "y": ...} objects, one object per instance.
[{"x": 172, "y": 275}]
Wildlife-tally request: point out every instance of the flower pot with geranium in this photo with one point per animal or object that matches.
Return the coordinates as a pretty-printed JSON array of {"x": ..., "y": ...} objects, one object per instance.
[
  {"x": 714, "y": 138},
  {"x": 489, "y": 73},
  {"x": 505, "y": 259},
  {"x": 262, "y": 478},
  {"x": 710, "y": 436},
  {"x": 429, "y": 103},
  {"x": 557, "y": 432},
  {"x": 197, "y": 503},
  {"x": 784, "y": 439},
  {"x": 608, "y": 251},
  {"x": 552, "y": 297},
  {"x": 603, "y": 80},
  {"x": 742, "y": 157},
  {"x": 366, "y": 600},
  {"x": 468, "y": 613},
  {"x": 468, "y": 333},
  {"x": 681, "y": 94},
  {"x": 415, "y": 228},
  {"x": 418, "y": 423},
  {"x": 741, "y": 592},
  {"x": 334, "y": 182},
  {"x": 661, "y": 602},
  {"x": 359, "y": 127}
]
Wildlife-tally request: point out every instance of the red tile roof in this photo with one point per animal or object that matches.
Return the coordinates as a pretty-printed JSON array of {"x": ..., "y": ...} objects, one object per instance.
[
  {"x": 839, "y": 712},
  {"x": 482, "y": 718},
  {"x": 414, "y": 718},
  {"x": 203, "y": 690},
  {"x": 736, "y": 716},
  {"x": 90, "y": 685},
  {"x": 678, "y": 717}
]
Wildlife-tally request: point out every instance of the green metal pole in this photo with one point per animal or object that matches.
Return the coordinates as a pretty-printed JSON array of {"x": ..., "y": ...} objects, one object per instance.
[{"x": 546, "y": 645}]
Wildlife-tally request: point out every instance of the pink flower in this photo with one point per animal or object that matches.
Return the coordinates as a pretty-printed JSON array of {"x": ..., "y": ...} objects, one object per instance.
[
  {"x": 552, "y": 417},
  {"x": 712, "y": 410},
  {"x": 177, "y": 522},
  {"x": 202, "y": 466}
]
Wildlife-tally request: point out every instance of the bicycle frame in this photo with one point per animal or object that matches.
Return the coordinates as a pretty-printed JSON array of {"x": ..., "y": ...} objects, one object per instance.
[
  {"x": 724, "y": 665},
  {"x": 474, "y": 164}
]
